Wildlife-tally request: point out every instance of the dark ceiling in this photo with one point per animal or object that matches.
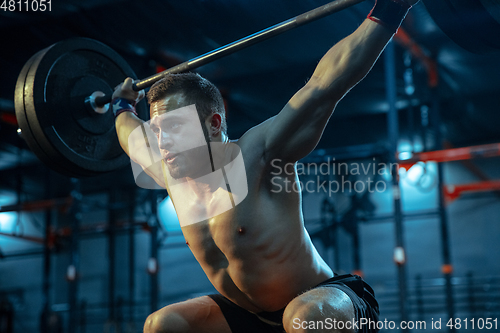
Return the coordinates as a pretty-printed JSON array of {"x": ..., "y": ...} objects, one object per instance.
[{"x": 258, "y": 81}]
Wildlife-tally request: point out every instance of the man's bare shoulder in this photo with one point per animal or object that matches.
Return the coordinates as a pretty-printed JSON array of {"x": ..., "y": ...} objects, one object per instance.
[{"x": 253, "y": 141}]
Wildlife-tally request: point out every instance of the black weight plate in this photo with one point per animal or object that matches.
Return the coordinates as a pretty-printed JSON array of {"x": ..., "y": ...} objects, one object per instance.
[
  {"x": 481, "y": 24},
  {"x": 493, "y": 7},
  {"x": 467, "y": 22},
  {"x": 19, "y": 102},
  {"x": 64, "y": 133}
]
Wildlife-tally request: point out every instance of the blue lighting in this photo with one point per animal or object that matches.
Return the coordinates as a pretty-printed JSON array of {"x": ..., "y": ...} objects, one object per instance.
[
  {"x": 7, "y": 222},
  {"x": 168, "y": 216},
  {"x": 405, "y": 155}
]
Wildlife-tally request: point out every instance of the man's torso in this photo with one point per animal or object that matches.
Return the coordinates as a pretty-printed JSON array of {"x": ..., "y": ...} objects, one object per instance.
[{"x": 258, "y": 254}]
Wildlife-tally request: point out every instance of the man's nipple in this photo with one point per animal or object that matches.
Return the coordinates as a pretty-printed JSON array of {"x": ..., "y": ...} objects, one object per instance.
[{"x": 242, "y": 230}]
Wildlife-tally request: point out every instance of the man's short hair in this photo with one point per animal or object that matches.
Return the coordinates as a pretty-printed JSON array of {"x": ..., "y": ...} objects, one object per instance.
[{"x": 196, "y": 89}]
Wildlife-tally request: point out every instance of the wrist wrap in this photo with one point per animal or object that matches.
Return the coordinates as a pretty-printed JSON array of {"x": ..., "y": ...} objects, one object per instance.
[
  {"x": 121, "y": 105},
  {"x": 389, "y": 13}
]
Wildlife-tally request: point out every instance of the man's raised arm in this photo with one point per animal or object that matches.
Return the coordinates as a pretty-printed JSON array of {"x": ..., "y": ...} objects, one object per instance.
[
  {"x": 132, "y": 140},
  {"x": 297, "y": 129}
]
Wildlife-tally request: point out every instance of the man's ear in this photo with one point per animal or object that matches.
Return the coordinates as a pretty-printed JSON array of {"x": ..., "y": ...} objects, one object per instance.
[{"x": 215, "y": 124}]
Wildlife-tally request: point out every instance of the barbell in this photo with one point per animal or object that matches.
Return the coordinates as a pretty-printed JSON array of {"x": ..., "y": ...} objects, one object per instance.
[{"x": 63, "y": 92}]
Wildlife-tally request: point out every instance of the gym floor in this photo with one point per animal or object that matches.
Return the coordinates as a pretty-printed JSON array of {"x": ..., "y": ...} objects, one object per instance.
[{"x": 127, "y": 257}]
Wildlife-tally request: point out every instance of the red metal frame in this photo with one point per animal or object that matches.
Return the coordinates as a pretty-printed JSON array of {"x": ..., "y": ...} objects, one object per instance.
[
  {"x": 404, "y": 39},
  {"x": 39, "y": 240},
  {"x": 454, "y": 154},
  {"x": 63, "y": 203},
  {"x": 453, "y": 192}
]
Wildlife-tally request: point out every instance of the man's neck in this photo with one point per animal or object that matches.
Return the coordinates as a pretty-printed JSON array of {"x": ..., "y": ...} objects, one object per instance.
[{"x": 210, "y": 179}]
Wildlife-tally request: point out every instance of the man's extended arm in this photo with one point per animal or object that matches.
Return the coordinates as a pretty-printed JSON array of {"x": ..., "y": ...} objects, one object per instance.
[
  {"x": 132, "y": 136},
  {"x": 296, "y": 130}
]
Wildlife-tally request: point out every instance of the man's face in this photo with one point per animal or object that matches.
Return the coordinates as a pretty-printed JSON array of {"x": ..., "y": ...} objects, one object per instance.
[{"x": 180, "y": 137}]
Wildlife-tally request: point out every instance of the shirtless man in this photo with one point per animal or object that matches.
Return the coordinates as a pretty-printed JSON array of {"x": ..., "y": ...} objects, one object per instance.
[{"x": 256, "y": 253}]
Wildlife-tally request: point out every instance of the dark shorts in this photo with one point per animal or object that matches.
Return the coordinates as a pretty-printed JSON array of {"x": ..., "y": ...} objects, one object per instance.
[{"x": 360, "y": 293}]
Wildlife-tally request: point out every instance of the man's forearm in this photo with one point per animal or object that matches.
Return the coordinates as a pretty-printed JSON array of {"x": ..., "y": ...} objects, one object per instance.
[
  {"x": 125, "y": 124},
  {"x": 348, "y": 61},
  {"x": 141, "y": 149}
]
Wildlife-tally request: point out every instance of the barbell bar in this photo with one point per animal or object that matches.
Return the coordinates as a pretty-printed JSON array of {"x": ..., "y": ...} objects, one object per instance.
[
  {"x": 297, "y": 21},
  {"x": 63, "y": 92}
]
